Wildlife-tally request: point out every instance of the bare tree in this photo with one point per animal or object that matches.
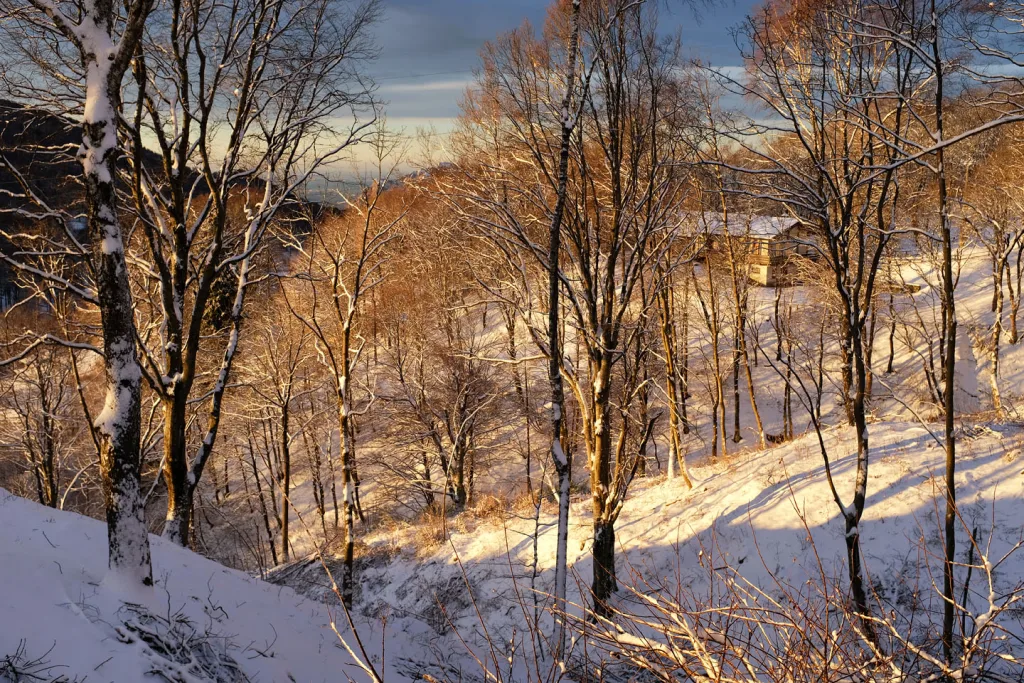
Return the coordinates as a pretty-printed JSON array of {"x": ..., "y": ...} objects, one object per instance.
[
  {"x": 991, "y": 206},
  {"x": 343, "y": 262},
  {"x": 86, "y": 48},
  {"x": 276, "y": 367},
  {"x": 246, "y": 101},
  {"x": 560, "y": 107},
  {"x": 39, "y": 393},
  {"x": 621, "y": 206},
  {"x": 838, "y": 101}
]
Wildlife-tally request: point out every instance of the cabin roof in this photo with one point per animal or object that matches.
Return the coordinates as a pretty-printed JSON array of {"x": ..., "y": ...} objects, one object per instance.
[{"x": 741, "y": 224}]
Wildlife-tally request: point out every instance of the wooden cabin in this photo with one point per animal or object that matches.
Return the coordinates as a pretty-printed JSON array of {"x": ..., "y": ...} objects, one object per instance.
[{"x": 767, "y": 245}]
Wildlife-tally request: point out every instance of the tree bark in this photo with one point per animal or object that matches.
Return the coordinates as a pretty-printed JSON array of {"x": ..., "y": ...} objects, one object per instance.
[
  {"x": 560, "y": 455},
  {"x": 605, "y": 582},
  {"x": 348, "y": 495},
  {"x": 995, "y": 341},
  {"x": 600, "y": 485},
  {"x": 175, "y": 471},
  {"x": 950, "y": 330},
  {"x": 120, "y": 422},
  {"x": 286, "y": 481}
]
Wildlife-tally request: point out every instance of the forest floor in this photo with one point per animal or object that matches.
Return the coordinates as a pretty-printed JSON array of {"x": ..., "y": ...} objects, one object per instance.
[
  {"x": 435, "y": 594},
  {"x": 769, "y": 515}
]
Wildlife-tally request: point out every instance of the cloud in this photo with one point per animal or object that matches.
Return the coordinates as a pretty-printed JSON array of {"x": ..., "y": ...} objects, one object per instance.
[
  {"x": 426, "y": 86},
  {"x": 442, "y": 125}
]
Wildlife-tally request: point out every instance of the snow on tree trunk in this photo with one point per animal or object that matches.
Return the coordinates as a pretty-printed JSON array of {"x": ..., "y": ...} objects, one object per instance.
[
  {"x": 119, "y": 423},
  {"x": 562, "y": 463},
  {"x": 348, "y": 491}
]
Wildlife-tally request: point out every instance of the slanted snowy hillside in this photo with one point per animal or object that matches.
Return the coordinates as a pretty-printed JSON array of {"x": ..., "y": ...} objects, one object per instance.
[
  {"x": 747, "y": 513},
  {"x": 60, "y": 617},
  {"x": 447, "y": 597},
  {"x": 63, "y": 619}
]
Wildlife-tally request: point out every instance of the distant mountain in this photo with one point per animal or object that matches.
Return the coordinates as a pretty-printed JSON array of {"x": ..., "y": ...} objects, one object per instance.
[{"x": 42, "y": 147}]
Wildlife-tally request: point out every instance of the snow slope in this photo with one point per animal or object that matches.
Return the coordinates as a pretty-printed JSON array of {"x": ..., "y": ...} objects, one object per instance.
[
  {"x": 751, "y": 511},
  {"x": 744, "y": 511},
  {"x": 748, "y": 512},
  {"x": 58, "y": 604}
]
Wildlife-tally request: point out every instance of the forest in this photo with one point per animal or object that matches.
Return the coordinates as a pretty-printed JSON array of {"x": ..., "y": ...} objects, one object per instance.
[{"x": 646, "y": 369}]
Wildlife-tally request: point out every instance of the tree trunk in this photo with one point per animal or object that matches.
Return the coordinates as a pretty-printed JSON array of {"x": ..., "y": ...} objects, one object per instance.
[
  {"x": 857, "y": 590},
  {"x": 787, "y": 398},
  {"x": 600, "y": 485},
  {"x": 178, "y": 524},
  {"x": 853, "y": 517},
  {"x": 428, "y": 485},
  {"x": 604, "y": 566},
  {"x": 334, "y": 482},
  {"x": 846, "y": 357},
  {"x": 949, "y": 365},
  {"x": 356, "y": 502},
  {"x": 996, "y": 339},
  {"x": 1014, "y": 294},
  {"x": 286, "y": 482},
  {"x": 559, "y": 455},
  {"x": 461, "y": 495},
  {"x": 120, "y": 422},
  {"x": 684, "y": 375},
  {"x": 778, "y": 321},
  {"x": 348, "y": 500},
  {"x": 48, "y": 476},
  {"x": 227, "y": 479},
  {"x": 737, "y": 436},
  {"x": 892, "y": 335}
]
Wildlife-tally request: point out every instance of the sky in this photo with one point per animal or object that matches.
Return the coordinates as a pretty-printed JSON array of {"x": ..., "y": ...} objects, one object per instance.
[{"x": 429, "y": 48}]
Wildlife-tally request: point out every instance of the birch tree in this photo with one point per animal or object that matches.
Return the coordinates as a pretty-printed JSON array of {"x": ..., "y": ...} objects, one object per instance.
[
  {"x": 86, "y": 48},
  {"x": 246, "y": 101},
  {"x": 343, "y": 262}
]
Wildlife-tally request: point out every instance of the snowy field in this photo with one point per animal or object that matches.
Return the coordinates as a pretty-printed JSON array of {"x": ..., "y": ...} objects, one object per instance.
[
  {"x": 59, "y": 611},
  {"x": 445, "y": 607},
  {"x": 749, "y": 513}
]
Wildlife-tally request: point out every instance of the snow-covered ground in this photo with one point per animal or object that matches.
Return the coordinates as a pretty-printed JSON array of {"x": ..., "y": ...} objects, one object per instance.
[
  {"x": 55, "y": 603},
  {"x": 749, "y": 513},
  {"x": 62, "y": 615},
  {"x": 430, "y": 607}
]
